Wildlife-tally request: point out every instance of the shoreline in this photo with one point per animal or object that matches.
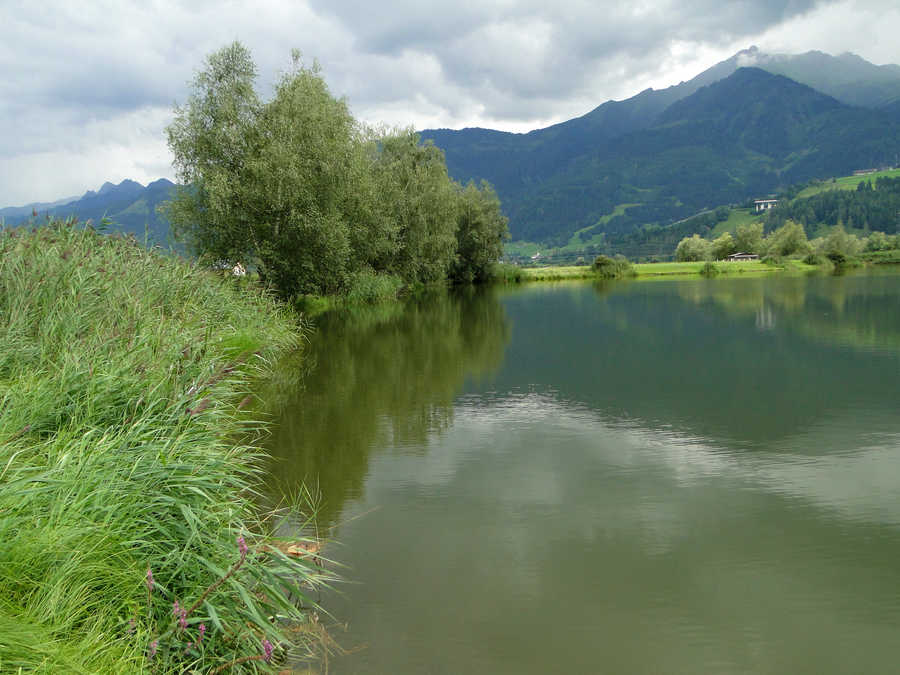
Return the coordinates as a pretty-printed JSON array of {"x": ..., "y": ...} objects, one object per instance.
[
  {"x": 668, "y": 269},
  {"x": 129, "y": 461}
]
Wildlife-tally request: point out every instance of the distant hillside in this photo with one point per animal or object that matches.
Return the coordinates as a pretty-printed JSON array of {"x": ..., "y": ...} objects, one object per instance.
[
  {"x": 15, "y": 212},
  {"x": 129, "y": 205},
  {"x": 661, "y": 156},
  {"x": 861, "y": 203},
  {"x": 848, "y": 77}
]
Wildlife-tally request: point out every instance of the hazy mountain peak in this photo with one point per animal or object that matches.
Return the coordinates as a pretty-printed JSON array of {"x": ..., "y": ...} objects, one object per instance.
[{"x": 108, "y": 187}]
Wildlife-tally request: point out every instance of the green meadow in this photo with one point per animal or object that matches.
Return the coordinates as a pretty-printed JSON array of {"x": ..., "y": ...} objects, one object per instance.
[
  {"x": 845, "y": 182},
  {"x": 664, "y": 269}
]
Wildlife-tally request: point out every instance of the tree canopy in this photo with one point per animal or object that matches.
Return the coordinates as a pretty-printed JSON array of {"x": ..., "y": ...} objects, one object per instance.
[{"x": 313, "y": 199}]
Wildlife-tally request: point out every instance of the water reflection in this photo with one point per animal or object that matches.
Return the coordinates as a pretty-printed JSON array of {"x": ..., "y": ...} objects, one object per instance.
[
  {"x": 856, "y": 311},
  {"x": 688, "y": 476},
  {"x": 376, "y": 378},
  {"x": 691, "y": 355},
  {"x": 548, "y": 539}
]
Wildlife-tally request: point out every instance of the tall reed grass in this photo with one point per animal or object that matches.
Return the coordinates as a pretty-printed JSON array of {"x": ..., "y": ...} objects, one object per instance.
[{"x": 123, "y": 489}]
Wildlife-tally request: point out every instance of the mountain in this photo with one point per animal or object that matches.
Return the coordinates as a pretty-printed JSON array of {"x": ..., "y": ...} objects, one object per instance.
[
  {"x": 8, "y": 213},
  {"x": 727, "y": 135},
  {"x": 848, "y": 78},
  {"x": 129, "y": 205}
]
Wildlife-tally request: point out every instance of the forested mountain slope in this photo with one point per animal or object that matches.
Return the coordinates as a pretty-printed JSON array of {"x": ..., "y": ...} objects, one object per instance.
[
  {"x": 742, "y": 136},
  {"x": 129, "y": 205}
]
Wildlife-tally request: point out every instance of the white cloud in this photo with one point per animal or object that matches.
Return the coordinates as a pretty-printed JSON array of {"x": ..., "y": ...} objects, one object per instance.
[{"x": 89, "y": 85}]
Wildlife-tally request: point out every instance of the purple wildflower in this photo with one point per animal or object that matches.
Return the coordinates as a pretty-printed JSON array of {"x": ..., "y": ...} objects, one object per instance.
[
  {"x": 179, "y": 613},
  {"x": 150, "y": 581},
  {"x": 242, "y": 545},
  {"x": 200, "y": 636},
  {"x": 131, "y": 624},
  {"x": 267, "y": 650},
  {"x": 153, "y": 647}
]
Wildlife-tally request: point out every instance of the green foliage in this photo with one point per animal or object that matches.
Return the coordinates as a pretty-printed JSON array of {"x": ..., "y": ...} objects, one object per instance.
[
  {"x": 317, "y": 203},
  {"x": 890, "y": 257},
  {"x": 211, "y": 139},
  {"x": 748, "y": 238},
  {"x": 124, "y": 448},
  {"x": 366, "y": 287},
  {"x": 612, "y": 268},
  {"x": 840, "y": 244},
  {"x": 789, "y": 239},
  {"x": 480, "y": 231},
  {"x": 709, "y": 270},
  {"x": 743, "y": 136},
  {"x": 813, "y": 258},
  {"x": 506, "y": 273},
  {"x": 869, "y": 206},
  {"x": 878, "y": 241},
  {"x": 420, "y": 200},
  {"x": 723, "y": 246},
  {"x": 692, "y": 249}
]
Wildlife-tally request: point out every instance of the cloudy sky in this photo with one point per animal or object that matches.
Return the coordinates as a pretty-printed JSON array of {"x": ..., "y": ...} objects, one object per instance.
[{"x": 87, "y": 88}]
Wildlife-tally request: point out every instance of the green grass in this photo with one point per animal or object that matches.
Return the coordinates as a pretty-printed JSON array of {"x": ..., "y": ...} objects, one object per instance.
[
  {"x": 891, "y": 257},
  {"x": 694, "y": 268},
  {"x": 665, "y": 269},
  {"x": 846, "y": 183},
  {"x": 122, "y": 377},
  {"x": 736, "y": 217},
  {"x": 522, "y": 248},
  {"x": 557, "y": 273},
  {"x": 576, "y": 243}
]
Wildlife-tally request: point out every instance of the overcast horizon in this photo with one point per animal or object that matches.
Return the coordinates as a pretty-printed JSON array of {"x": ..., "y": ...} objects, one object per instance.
[{"x": 88, "y": 91}]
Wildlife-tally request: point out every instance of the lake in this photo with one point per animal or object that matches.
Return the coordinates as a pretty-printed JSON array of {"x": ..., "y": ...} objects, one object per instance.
[{"x": 685, "y": 476}]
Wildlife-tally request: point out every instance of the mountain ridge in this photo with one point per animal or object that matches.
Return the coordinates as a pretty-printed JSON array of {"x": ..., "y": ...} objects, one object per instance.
[
  {"x": 130, "y": 206},
  {"x": 731, "y": 133},
  {"x": 549, "y": 191}
]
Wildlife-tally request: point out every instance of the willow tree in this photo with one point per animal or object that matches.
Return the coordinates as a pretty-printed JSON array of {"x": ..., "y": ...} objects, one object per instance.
[
  {"x": 269, "y": 183},
  {"x": 481, "y": 229},
  {"x": 295, "y": 187},
  {"x": 421, "y": 200},
  {"x": 300, "y": 177},
  {"x": 212, "y": 137}
]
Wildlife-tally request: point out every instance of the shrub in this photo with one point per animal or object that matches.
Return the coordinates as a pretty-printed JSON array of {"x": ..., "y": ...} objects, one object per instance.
[
  {"x": 693, "y": 249},
  {"x": 814, "y": 259},
  {"x": 612, "y": 268},
  {"x": 709, "y": 270},
  {"x": 506, "y": 274},
  {"x": 367, "y": 287}
]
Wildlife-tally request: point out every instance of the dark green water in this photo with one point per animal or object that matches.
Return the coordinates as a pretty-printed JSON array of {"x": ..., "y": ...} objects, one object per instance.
[{"x": 649, "y": 477}]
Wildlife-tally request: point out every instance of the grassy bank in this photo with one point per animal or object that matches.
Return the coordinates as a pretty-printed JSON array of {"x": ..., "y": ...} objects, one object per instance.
[
  {"x": 557, "y": 273},
  {"x": 122, "y": 377},
  {"x": 882, "y": 257},
  {"x": 646, "y": 270},
  {"x": 724, "y": 268}
]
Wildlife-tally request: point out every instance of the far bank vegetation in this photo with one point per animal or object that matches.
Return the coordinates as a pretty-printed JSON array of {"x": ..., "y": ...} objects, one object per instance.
[
  {"x": 838, "y": 247},
  {"x": 833, "y": 227}
]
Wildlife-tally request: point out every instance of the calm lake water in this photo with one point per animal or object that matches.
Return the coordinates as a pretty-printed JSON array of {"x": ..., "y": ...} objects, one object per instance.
[{"x": 695, "y": 476}]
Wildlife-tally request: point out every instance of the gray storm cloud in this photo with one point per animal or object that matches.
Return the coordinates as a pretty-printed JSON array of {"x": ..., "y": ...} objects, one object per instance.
[{"x": 94, "y": 83}]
